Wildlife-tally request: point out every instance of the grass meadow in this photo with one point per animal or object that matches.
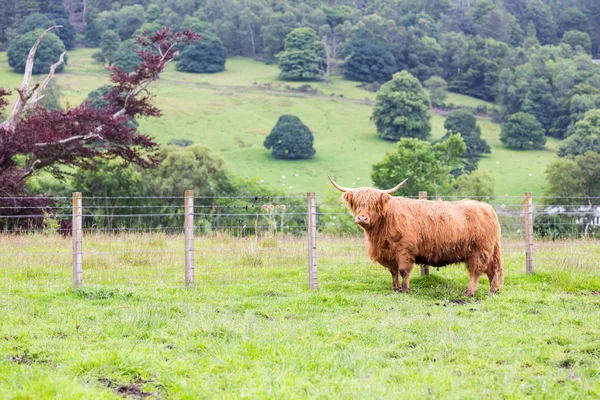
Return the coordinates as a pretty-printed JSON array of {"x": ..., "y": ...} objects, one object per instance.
[
  {"x": 232, "y": 113},
  {"x": 251, "y": 328}
]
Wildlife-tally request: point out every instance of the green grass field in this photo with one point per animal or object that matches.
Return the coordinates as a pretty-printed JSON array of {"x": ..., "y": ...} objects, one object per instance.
[
  {"x": 230, "y": 114},
  {"x": 252, "y": 329}
]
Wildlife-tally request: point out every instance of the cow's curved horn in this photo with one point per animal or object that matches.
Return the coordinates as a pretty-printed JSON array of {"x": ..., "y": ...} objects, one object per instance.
[
  {"x": 392, "y": 190},
  {"x": 338, "y": 187}
]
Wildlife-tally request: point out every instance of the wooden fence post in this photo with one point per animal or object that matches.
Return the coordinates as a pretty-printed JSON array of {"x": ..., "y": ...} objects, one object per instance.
[
  {"x": 528, "y": 213},
  {"x": 424, "y": 268},
  {"x": 313, "y": 282},
  {"x": 77, "y": 239},
  {"x": 189, "y": 237}
]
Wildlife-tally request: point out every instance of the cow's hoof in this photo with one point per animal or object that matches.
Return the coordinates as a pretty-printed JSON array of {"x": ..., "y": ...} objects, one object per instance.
[
  {"x": 468, "y": 293},
  {"x": 396, "y": 288},
  {"x": 407, "y": 291}
]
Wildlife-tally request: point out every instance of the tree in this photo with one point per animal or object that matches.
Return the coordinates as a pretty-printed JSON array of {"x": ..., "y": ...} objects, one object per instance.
[
  {"x": 463, "y": 122},
  {"x": 35, "y": 21},
  {"x": 108, "y": 48},
  {"x": 273, "y": 34},
  {"x": 126, "y": 58},
  {"x": 586, "y": 136},
  {"x": 303, "y": 57},
  {"x": 401, "y": 109},
  {"x": 36, "y": 139},
  {"x": 543, "y": 20},
  {"x": 478, "y": 185},
  {"x": 418, "y": 53},
  {"x": 572, "y": 19},
  {"x": 110, "y": 179},
  {"x": 93, "y": 30},
  {"x": 437, "y": 88},
  {"x": 523, "y": 132},
  {"x": 332, "y": 39},
  {"x": 368, "y": 59},
  {"x": 50, "y": 48},
  {"x": 128, "y": 19},
  {"x": 570, "y": 179},
  {"x": 194, "y": 167},
  {"x": 208, "y": 55},
  {"x": 290, "y": 139},
  {"x": 55, "y": 10},
  {"x": 427, "y": 166},
  {"x": 576, "y": 38}
]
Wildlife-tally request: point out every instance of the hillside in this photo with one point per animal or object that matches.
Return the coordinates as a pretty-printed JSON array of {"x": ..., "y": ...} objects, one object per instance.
[{"x": 232, "y": 112}]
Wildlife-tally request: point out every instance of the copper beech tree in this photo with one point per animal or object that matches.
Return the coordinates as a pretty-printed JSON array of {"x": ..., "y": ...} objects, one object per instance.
[{"x": 33, "y": 138}]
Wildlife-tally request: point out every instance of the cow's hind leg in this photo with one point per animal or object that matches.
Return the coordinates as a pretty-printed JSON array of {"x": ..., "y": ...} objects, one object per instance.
[
  {"x": 405, "y": 267},
  {"x": 476, "y": 265},
  {"x": 395, "y": 280},
  {"x": 495, "y": 272}
]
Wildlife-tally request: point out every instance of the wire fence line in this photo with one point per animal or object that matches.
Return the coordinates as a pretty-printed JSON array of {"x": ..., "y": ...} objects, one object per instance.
[{"x": 259, "y": 240}]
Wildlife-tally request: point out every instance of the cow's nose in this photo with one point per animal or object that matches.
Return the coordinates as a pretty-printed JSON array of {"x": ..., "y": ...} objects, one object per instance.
[{"x": 361, "y": 218}]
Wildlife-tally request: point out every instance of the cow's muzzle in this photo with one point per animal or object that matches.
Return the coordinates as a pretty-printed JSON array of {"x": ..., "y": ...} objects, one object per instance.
[{"x": 361, "y": 220}]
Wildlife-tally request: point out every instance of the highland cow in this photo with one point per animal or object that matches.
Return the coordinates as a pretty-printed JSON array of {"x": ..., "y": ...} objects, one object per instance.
[{"x": 401, "y": 232}]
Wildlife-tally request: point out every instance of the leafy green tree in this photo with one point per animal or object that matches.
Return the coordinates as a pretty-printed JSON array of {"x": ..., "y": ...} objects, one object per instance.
[
  {"x": 55, "y": 10},
  {"x": 572, "y": 19},
  {"x": 515, "y": 35},
  {"x": 194, "y": 167},
  {"x": 586, "y": 136},
  {"x": 153, "y": 13},
  {"x": 111, "y": 179},
  {"x": 539, "y": 101},
  {"x": 290, "y": 139},
  {"x": 477, "y": 70},
  {"x": 207, "y": 55},
  {"x": 128, "y": 19},
  {"x": 574, "y": 177},
  {"x": 543, "y": 20},
  {"x": 273, "y": 34},
  {"x": 93, "y": 30},
  {"x": 418, "y": 53},
  {"x": 576, "y": 38},
  {"x": 108, "y": 48},
  {"x": 401, "y": 109},
  {"x": 523, "y": 132},
  {"x": 35, "y": 21},
  {"x": 478, "y": 185},
  {"x": 49, "y": 51},
  {"x": 126, "y": 58},
  {"x": 303, "y": 57},
  {"x": 437, "y": 88},
  {"x": 427, "y": 166},
  {"x": 463, "y": 122},
  {"x": 368, "y": 59}
]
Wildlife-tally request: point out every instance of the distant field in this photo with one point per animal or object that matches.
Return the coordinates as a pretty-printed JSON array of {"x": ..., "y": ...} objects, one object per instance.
[{"x": 228, "y": 113}]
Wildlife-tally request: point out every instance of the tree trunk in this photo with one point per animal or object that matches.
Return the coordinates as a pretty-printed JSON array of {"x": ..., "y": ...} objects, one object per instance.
[{"x": 252, "y": 39}]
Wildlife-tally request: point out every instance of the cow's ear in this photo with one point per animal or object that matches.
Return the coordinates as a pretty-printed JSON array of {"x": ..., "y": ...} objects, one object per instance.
[
  {"x": 347, "y": 196},
  {"x": 385, "y": 198}
]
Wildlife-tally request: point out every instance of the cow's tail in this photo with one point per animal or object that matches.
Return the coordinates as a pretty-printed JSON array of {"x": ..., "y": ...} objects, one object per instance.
[{"x": 498, "y": 267}]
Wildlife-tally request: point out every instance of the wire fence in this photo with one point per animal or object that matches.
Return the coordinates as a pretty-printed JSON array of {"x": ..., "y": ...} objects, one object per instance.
[{"x": 253, "y": 240}]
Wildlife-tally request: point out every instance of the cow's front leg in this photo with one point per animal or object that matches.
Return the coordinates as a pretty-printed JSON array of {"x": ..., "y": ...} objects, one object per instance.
[
  {"x": 405, "y": 268},
  {"x": 395, "y": 281}
]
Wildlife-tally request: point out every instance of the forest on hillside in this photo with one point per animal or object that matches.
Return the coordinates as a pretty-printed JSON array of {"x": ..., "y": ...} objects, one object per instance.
[{"x": 533, "y": 58}]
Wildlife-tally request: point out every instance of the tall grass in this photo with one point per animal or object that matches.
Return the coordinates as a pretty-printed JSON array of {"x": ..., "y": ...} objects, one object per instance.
[{"x": 252, "y": 329}]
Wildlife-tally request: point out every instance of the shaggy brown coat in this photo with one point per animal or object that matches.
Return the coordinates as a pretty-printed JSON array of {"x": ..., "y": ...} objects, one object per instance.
[{"x": 400, "y": 232}]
